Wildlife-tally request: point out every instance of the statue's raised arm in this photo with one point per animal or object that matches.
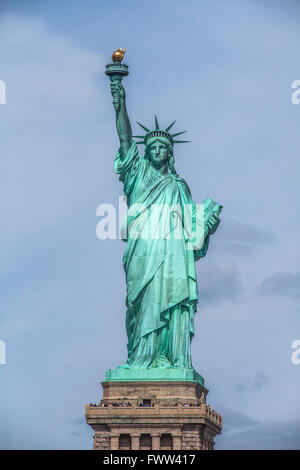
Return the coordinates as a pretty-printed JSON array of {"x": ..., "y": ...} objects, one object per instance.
[
  {"x": 116, "y": 71},
  {"x": 122, "y": 119}
]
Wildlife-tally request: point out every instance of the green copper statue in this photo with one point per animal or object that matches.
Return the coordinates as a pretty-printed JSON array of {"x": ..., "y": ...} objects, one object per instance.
[{"x": 160, "y": 268}]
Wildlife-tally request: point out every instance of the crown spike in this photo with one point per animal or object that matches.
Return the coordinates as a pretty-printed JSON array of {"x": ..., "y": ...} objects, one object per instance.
[
  {"x": 143, "y": 127},
  {"x": 178, "y": 133},
  {"x": 157, "y": 132},
  {"x": 169, "y": 127}
]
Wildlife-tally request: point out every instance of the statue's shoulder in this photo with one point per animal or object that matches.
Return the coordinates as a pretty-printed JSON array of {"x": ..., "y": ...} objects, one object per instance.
[
  {"x": 179, "y": 179},
  {"x": 182, "y": 183}
]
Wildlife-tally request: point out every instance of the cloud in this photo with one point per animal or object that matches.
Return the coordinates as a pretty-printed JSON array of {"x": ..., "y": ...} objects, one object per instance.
[
  {"x": 259, "y": 383},
  {"x": 218, "y": 281},
  {"x": 281, "y": 284},
  {"x": 49, "y": 127},
  {"x": 240, "y": 432},
  {"x": 77, "y": 426},
  {"x": 235, "y": 418},
  {"x": 241, "y": 387},
  {"x": 243, "y": 239}
]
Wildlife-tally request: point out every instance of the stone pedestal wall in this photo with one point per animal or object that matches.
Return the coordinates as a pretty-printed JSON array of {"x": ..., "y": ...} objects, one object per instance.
[{"x": 153, "y": 416}]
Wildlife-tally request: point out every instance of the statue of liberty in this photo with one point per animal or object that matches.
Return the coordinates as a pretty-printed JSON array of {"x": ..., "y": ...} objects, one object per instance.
[{"x": 159, "y": 266}]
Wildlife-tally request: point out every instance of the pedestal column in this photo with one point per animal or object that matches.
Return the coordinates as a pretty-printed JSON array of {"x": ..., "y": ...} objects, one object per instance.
[
  {"x": 177, "y": 441},
  {"x": 114, "y": 442},
  {"x": 155, "y": 441},
  {"x": 135, "y": 441}
]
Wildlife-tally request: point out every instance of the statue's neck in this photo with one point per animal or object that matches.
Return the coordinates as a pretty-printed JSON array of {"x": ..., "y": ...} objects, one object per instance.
[{"x": 162, "y": 168}]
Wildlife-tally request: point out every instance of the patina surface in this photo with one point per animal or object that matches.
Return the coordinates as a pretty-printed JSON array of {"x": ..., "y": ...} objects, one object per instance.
[{"x": 159, "y": 259}]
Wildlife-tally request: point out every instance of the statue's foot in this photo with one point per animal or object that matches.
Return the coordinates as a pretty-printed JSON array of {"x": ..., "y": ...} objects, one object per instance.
[
  {"x": 181, "y": 366},
  {"x": 161, "y": 362}
]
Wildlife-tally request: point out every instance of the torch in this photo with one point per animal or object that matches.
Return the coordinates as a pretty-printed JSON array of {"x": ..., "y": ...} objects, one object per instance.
[{"x": 116, "y": 71}]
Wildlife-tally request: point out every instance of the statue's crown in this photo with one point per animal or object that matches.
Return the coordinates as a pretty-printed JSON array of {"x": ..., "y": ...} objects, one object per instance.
[{"x": 157, "y": 132}]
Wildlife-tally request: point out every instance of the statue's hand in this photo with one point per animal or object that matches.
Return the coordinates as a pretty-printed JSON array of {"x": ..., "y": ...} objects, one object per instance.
[
  {"x": 213, "y": 223},
  {"x": 118, "y": 92}
]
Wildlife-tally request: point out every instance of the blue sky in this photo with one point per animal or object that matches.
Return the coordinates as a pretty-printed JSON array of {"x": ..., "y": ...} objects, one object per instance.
[{"x": 223, "y": 70}]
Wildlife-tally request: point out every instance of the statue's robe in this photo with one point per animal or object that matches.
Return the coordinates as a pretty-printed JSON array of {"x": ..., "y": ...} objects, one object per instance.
[{"x": 160, "y": 270}]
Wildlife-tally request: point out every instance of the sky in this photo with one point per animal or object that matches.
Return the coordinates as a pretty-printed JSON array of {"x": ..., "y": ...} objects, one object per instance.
[{"x": 224, "y": 71}]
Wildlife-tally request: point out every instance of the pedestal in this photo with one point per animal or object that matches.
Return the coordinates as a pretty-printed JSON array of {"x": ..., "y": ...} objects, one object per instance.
[
  {"x": 157, "y": 415},
  {"x": 160, "y": 375}
]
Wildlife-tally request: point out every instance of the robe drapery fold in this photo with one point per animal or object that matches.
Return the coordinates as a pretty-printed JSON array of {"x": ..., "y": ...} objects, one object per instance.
[{"x": 160, "y": 269}]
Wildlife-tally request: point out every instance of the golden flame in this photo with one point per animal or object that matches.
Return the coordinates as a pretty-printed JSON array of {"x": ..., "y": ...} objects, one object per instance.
[{"x": 118, "y": 55}]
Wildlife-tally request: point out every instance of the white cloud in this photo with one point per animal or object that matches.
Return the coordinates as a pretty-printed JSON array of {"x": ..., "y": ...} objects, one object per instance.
[
  {"x": 52, "y": 99},
  {"x": 281, "y": 283}
]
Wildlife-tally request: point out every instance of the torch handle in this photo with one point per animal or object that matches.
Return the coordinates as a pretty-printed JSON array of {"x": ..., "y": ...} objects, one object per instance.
[{"x": 116, "y": 96}]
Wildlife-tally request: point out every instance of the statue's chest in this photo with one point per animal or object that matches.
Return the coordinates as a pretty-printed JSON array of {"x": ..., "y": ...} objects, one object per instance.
[{"x": 154, "y": 185}]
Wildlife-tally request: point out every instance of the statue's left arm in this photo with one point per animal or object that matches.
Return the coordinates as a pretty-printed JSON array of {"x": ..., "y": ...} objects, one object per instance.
[
  {"x": 213, "y": 223},
  {"x": 211, "y": 227}
]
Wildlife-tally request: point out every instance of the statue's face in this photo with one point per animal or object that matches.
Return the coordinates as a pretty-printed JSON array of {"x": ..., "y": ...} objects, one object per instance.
[{"x": 158, "y": 152}]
